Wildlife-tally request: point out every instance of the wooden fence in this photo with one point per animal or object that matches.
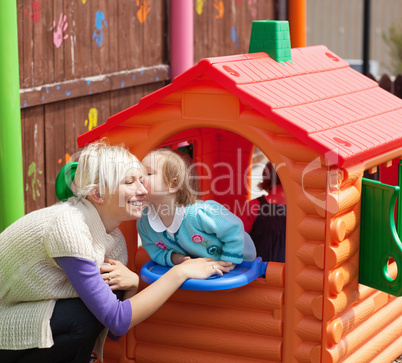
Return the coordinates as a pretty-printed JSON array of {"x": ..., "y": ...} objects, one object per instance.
[
  {"x": 82, "y": 61},
  {"x": 339, "y": 25},
  {"x": 393, "y": 86}
]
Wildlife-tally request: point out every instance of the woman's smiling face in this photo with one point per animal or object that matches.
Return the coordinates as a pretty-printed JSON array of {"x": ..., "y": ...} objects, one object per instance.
[{"x": 128, "y": 201}]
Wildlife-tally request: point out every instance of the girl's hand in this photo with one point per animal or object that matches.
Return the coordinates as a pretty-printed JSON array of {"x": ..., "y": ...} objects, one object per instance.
[
  {"x": 178, "y": 258},
  {"x": 119, "y": 277},
  {"x": 231, "y": 267},
  {"x": 202, "y": 268}
]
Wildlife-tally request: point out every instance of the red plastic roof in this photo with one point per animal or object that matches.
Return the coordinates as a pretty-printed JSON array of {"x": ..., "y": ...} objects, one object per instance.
[{"x": 332, "y": 108}]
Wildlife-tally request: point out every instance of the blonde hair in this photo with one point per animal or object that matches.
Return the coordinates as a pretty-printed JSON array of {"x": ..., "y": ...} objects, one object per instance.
[
  {"x": 179, "y": 172},
  {"x": 103, "y": 166}
]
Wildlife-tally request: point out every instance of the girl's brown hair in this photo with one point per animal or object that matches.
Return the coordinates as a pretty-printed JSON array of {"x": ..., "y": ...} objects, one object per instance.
[
  {"x": 269, "y": 178},
  {"x": 179, "y": 172}
]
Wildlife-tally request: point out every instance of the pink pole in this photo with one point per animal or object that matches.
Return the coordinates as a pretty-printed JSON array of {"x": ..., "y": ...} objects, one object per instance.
[{"x": 181, "y": 36}]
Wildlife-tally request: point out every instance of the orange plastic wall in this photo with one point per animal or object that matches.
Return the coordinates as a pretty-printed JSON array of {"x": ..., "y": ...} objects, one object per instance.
[{"x": 310, "y": 309}]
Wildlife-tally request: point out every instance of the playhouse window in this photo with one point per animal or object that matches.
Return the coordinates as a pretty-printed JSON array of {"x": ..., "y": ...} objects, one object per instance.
[{"x": 230, "y": 170}]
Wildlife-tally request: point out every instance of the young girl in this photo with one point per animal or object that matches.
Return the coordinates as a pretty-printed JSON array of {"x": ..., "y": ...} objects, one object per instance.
[
  {"x": 55, "y": 293},
  {"x": 176, "y": 227}
]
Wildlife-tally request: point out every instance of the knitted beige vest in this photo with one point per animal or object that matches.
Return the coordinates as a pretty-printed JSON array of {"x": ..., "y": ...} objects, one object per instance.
[{"x": 31, "y": 281}]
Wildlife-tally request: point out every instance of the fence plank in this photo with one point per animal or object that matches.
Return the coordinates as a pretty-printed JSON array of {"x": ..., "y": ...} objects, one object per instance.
[
  {"x": 398, "y": 86},
  {"x": 81, "y": 111},
  {"x": 69, "y": 126},
  {"x": 91, "y": 85},
  {"x": 122, "y": 99},
  {"x": 135, "y": 39},
  {"x": 385, "y": 83},
  {"x": 33, "y": 141},
  {"x": 25, "y": 25},
  {"x": 69, "y": 10},
  {"x": 81, "y": 33},
  {"x": 112, "y": 33},
  {"x": 123, "y": 34},
  {"x": 61, "y": 22},
  {"x": 100, "y": 43},
  {"x": 55, "y": 146},
  {"x": 43, "y": 46},
  {"x": 153, "y": 18},
  {"x": 202, "y": 41},
  {"x": 20, "y": 16}
]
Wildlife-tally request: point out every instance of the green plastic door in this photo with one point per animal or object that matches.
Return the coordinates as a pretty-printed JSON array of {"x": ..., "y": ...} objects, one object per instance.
[{"x": 379, "y": 240}]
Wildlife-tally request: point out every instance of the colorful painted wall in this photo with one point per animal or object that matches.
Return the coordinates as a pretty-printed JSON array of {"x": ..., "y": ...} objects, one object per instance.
[{"x": 82, "y": 61}]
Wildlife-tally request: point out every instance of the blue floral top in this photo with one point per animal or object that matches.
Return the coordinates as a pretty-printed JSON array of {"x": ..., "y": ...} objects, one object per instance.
[{"x": 203, "y": 229}]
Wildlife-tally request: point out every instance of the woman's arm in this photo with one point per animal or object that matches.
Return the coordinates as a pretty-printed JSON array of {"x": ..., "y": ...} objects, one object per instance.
[
  {"x": 120, "y": 316},
  {"x": 147, "y": 301},
  {"x": 86, "y": 279}
]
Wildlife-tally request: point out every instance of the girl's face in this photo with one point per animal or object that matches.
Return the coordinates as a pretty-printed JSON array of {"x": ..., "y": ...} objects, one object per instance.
[
  {"x": 128, "y": 201},
  {"x": 155, "y": 182}
]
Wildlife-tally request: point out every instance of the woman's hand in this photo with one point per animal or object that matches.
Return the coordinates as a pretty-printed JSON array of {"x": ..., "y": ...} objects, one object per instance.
[
  {"x": 178, "y": 258},
  {"x": 202, "y": 268},
  {"x": 119, "y": 277}
]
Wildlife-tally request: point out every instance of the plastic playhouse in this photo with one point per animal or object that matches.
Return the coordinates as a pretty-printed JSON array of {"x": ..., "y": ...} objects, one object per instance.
[{"x": 324, "y": 124}]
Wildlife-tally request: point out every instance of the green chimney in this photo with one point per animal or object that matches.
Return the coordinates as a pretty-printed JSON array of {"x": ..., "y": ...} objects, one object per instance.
[{"x": 271, "y": 37}]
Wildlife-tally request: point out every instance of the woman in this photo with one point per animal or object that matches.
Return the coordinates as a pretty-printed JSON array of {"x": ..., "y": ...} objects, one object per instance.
[{"x": 54, "y": 302}]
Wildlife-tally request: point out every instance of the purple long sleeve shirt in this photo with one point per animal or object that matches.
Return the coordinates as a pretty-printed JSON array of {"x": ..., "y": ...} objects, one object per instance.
[{"x": 86, "y": 279}]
